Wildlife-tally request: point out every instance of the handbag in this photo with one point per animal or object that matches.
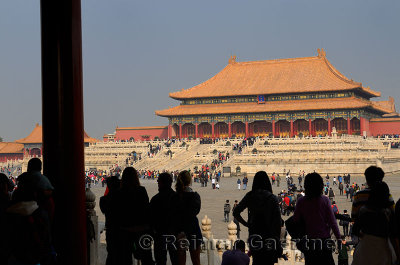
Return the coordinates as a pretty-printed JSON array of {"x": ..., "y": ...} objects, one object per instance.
[{"x": 297, "y": 230}]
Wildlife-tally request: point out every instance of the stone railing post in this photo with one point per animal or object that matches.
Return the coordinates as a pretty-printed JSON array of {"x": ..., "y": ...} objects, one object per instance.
[
  {"x": 232, "y": 232},
  {"x": 209, "y": 245},
  {"x": 93, "y": 235}
]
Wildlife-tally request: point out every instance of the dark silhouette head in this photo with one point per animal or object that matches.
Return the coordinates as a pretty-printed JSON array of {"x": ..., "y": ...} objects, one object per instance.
[
  {"x": 240, "y": 245},
  {"x": 227, "y": 201},
  {"x": 113, "y": 184},
  {"x": 34, "y": 164},
  {"x": 373, "y": 175},
  {"x": 379, "y": 196},
  {"x": 261, "y": 181},
  {"x": 130, "y": 178},
  {"x": 313, "y": 185},
  {"x": 184, "y": 179},
  {"x": 164, "y": 181}
]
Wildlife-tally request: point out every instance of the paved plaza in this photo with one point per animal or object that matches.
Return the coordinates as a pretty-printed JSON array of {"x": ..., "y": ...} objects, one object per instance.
[{"x": 213, "y": 200}]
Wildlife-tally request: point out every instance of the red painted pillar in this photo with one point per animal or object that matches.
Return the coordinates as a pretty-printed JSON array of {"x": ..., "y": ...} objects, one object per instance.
[
  {"x": 212, "y": 130},
  {"x": 329, "y": 127},
  {"x": 229, "y": 130},
  {"x": 180, "y": 130},
  {"x": 41, "y": 151},
  {"x": 62, "y": 116},
  {"x": 291, "y": 128},
  {"x": 273, "y": 128},
  {"x": 348, "y": 127},
  {"x": 169, "y": 131},
  {"x": 196, "y": 130},
  {"x": 247, "y": 129},
  {"x": 310, "y": 127}
]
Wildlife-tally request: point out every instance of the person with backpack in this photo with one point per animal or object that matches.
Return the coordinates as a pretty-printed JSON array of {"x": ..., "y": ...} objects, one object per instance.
[
  {"x": 331, "y": 195},
  {"x": 227, "y": 210},
  {"x": 335, "y": 208},
  {"x": 264, "y": 220},
  {"x": 344, "y": 223}
]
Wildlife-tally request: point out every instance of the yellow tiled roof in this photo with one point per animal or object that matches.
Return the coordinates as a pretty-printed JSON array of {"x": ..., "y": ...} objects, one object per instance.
[
  {"x": 308, "y": 74},
  {"x": 36, "y": 137},
  {"x": 271, "y": 106},
  {"x": 11, "y": 148}
]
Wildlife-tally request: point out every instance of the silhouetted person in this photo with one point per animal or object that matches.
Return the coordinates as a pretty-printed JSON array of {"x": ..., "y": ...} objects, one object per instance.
[
  {"x": 237, "y": 255},
  {"x": 34, "y": 180},
  {"x": 264, "y": 221},
  {"x": 373, "y": 175},
  {"x": 113, "y": 185},
  {"x": 130, "y": 208},
  {"x": 315, "y": 212},
  {"x": 26, "y": 231},
  {"x": 188, "y": 207},
  {"x": 163, "y": 211},
  {"x": 375, "y": 225},
  {"x": 227, "y": 210}
]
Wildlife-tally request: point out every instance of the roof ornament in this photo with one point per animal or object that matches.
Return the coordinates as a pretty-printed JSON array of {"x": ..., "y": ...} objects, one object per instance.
[
  {"x": 232, "y": 60},
  {"x": 321, "y": 53},
  {"x": 37, "y": 125}
]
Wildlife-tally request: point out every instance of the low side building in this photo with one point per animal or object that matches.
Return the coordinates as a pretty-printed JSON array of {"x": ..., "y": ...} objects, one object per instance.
[{"x": 141, "y": 133}]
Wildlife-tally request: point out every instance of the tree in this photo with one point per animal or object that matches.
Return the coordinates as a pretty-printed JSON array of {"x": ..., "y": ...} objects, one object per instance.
[{"x": 1, "y": 139}]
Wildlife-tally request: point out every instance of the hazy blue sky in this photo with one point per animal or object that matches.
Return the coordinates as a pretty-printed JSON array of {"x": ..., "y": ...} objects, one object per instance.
[{"x": 136, "y": 52}]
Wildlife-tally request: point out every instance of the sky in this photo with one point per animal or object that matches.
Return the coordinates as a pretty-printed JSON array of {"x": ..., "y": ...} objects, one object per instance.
[{"x": 135, "y": 52}]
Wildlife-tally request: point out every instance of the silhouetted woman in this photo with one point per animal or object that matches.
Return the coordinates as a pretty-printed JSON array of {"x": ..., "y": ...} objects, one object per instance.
[
  {"x": 315, "y": 212},
  {"x": 264, "y": 221},
  {"x": 130, "y": 210},
  {"x": 375, "y": 226},
  {"x": 188, "y": 207}
]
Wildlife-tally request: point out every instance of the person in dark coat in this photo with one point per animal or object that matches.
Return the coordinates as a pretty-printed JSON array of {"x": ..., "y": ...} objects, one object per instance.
[
  {"x": 130, "y": 210},
  {"x": 188, "y": 229},
  {"x": 162, "y": 208},
  {"x": 113, "y": 185},
  {"x": 264, "y": 220}
]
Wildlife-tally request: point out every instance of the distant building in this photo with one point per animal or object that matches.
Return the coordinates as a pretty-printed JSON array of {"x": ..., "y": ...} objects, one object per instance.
[
  {"x": 29, "y": 146},
  {"x": 280, "y": 98}
]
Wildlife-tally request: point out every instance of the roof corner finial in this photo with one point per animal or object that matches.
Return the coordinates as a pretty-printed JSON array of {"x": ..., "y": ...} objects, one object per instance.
[
  {"x": 37, "y": 125},
  {"x": 321, "y": 53},
  {"x": 232, "y": 60}
]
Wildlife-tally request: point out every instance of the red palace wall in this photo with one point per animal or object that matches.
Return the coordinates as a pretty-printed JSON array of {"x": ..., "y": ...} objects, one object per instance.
[
  {"x": 5, "y": 157},
  {"x": 141, "y": 133},
  {"x": 384, "y": 127}
]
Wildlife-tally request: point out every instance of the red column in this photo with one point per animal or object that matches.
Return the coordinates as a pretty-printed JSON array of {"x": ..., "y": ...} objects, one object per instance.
[
  {"x": 247, "y": 129},
  {"x": 273, "y": 128},
  {"x": 62, "y": 115},
  {"x": 229, "y": 130},
  {"x": 348, "y": 126},
  {"x": 196, "y": 131},
  {"x": 41, "y": 151},
  {"x": 169, "y": 131},
  {"x": 212, "y": 130},
  {"x": 291, "y": 128},
  {"x": 310, "y": 127},
  {"x": 329, "y": 127},
  {"x": 180, "y": 130}
]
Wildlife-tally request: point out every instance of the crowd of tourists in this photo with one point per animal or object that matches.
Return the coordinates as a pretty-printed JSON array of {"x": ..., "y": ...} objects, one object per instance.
[{"x": 169, "y": 219}]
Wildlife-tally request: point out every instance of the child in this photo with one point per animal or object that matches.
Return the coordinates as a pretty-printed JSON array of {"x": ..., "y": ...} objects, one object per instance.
[
  {"x": 217, "y": 186},
  {"x": 238, "y": 183},
  {"x": 343, "y": 258}
]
